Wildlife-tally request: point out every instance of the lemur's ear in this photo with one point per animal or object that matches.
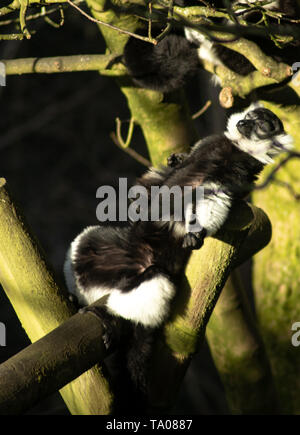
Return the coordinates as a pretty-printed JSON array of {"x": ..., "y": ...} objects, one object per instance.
[{"x": 253, "y": 106}]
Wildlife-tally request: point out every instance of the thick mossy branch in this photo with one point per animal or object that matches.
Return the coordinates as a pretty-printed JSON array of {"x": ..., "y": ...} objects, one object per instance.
[
  {"x": 267, "y": 66},
  {"x": 268, "y": 70},
  {"x": 219, "y": 254},
  {"x": 206, "y": 272},
  {"x": 239, "y": 85},
  {"x": 234, "y": 339},
  {"x": 40, "y": 304},
  {"x": 50, "y": 363}
]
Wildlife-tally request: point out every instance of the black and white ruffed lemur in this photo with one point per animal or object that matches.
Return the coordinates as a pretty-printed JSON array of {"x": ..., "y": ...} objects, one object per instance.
[
  {"x": 171, "y": 63},
  {"x": 138, "y": 266}
]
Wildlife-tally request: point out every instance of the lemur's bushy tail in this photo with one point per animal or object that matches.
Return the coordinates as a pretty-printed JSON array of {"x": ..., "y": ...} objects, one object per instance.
[
  {"x": 164, "y": 67},
  {"x": 138, "y": 356}
]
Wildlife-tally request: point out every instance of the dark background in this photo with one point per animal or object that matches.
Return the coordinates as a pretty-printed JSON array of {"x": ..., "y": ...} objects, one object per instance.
[{"x": 56, "y": 150}]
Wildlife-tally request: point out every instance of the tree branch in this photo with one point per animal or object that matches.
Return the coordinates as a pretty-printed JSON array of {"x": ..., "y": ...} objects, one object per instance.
[
  {"x": 50, "y": 363},
  {"x": 12, "y": 36},
  {"x": 238, "y": 84},
  {"x": 266, "y": 65},
  {"x": 131, "y": 152},
  {"x": 268, "y": 72},
  {"x": 111, "y": 26},
  {"x": 197, "y": 299},
  {"x": 59, "y": 64},
  {"x": 15, "y": 5},
  {"x": 40, "y": 304},
  {"x": 23, "y": 11}
]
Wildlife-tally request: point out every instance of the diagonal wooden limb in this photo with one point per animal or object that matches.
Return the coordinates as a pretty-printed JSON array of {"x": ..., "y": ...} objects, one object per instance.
[
  {"x": 206, "y": 274},
  {"x": 234, "y": 339},
  {"x": 50, "y": 363}
]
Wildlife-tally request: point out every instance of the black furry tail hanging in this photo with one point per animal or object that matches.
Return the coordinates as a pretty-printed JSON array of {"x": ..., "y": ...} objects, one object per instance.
[{"x": 164, "y": 67}]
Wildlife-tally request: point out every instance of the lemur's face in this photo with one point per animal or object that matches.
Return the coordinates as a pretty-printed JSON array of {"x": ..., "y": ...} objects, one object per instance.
[
  {"x": 258, "y": 132},
  {"x": 260, "y": 124}
]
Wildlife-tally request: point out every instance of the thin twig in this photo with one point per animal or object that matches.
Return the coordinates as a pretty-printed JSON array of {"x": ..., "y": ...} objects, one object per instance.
[
  {"x": 150, "y": 21},
  {"x": 202, "y": 110},
  {"x": 23, "y": 10},
  {"x": 289, "y": 187},
  {"x": 53, "y": 23},
  {"x": 111, "y": 26},
  {"x": 231, "y": 12},
  {"x": 15, "y": 5},
  {"x": 131, "y": 152},
  {"x": 189, "y": 16},
  {"x": 270, "y": 177},
  {"x": 129, "y": 134},
  {"x": 169, "y": 25},
  {"x": 37, "y": 15}
]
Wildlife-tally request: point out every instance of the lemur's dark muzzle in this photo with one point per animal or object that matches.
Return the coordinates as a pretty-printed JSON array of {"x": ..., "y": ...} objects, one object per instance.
[{"x": 245, "y": 127}]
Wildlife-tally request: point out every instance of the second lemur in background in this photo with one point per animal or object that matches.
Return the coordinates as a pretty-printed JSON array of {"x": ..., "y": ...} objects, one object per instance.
[
  {"x": 138, "y": 266},
  {"x": 169, "y": 65}
]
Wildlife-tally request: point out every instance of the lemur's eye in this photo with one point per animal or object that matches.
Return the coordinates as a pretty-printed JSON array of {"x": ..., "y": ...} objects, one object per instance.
[{"x": 264, "y": 128}]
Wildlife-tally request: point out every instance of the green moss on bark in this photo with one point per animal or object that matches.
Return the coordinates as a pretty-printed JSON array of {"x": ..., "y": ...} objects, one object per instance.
[
  {"x": 40, "y": 304},
  {"x": 276, "y": 273}
]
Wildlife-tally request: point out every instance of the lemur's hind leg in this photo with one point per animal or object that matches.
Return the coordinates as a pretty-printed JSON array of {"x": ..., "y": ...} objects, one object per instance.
[{"x": 139, "y": 355}]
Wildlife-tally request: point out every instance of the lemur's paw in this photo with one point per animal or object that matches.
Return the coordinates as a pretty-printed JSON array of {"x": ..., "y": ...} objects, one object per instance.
[
  {"x": 176, "y": 159},
  {"x": 109, "y": 334},
  {"x": 191, "y": 241},
  {"x": 194, "y": 240}
]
